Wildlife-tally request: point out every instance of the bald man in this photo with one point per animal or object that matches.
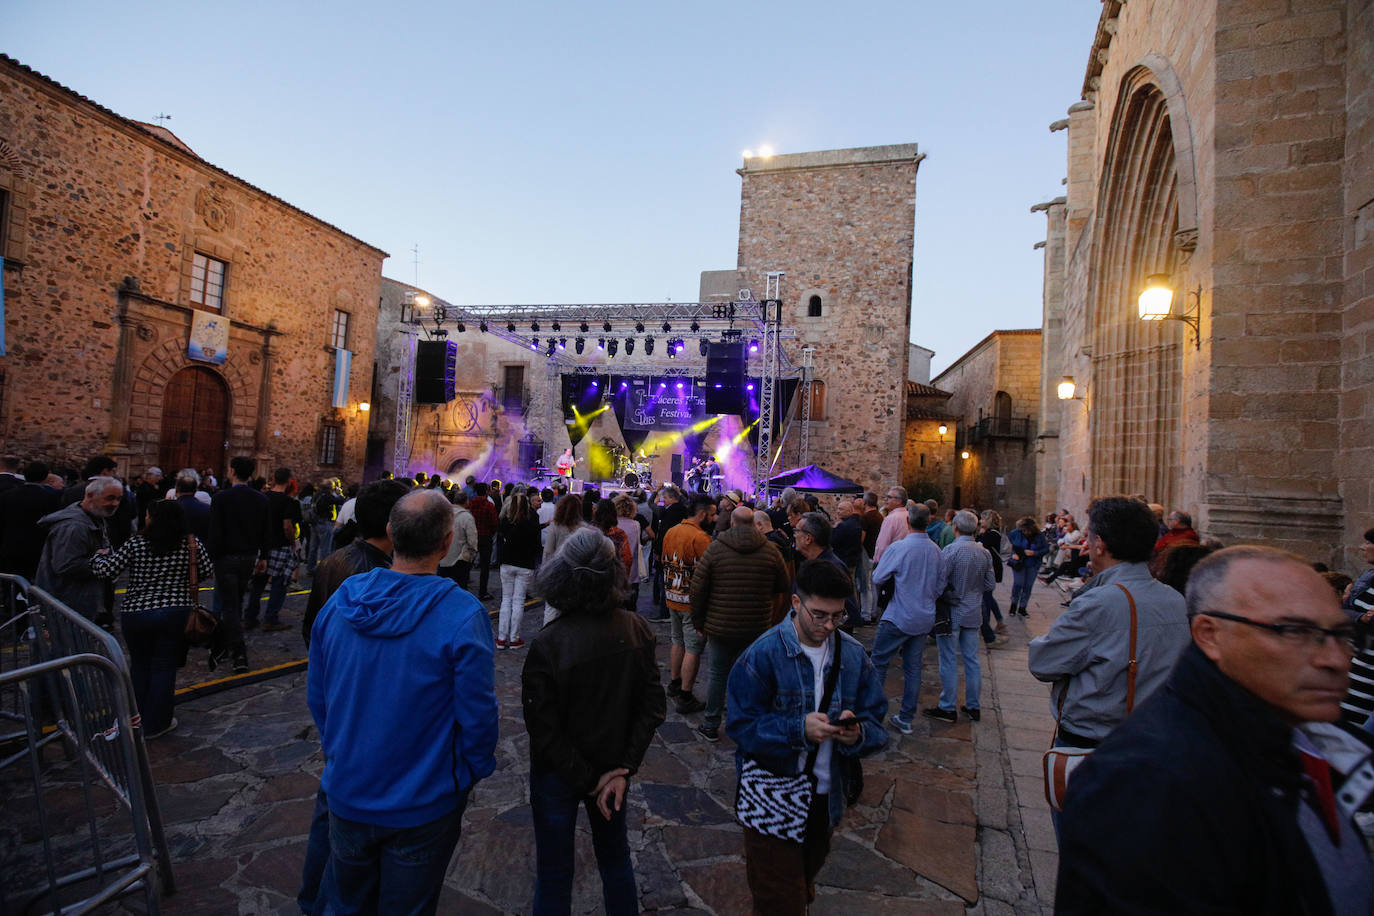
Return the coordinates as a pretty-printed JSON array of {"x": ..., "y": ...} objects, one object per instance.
[
  {"x": 733, "y": 590},
  {"x": 1231, "y": 789}
]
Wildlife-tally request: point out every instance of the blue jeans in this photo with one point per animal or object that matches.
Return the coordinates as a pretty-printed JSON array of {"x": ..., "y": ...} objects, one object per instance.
[
  {"x": 154, "y": 639},
  {"x": 314, "y": 892},
  {"x": 887, "y": 642},
  {"x": 1022, "y": 578},
  {"x": 721, "y": 656},
  {"x": 554, "y": 804},
  {"x": 392, "y": 870},
  {"x": 967, "y": 646}
]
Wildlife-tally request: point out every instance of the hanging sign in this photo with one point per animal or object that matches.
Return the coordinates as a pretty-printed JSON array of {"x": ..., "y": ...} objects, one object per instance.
[{"x": 209, "y": 337}]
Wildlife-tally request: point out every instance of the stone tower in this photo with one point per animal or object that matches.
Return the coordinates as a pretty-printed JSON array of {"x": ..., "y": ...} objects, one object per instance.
[{"x": 840, "y": 223}]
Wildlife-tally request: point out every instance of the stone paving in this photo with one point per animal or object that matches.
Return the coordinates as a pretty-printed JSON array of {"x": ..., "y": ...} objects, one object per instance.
[{"x": 952, "y": 818}]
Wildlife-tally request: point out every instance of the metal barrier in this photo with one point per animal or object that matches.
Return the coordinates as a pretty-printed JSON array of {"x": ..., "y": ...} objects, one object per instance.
[{"x": 79, "y": 822}]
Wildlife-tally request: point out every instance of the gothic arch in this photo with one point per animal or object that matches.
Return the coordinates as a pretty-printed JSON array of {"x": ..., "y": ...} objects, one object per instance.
[{"x": 1146, "y": 208}]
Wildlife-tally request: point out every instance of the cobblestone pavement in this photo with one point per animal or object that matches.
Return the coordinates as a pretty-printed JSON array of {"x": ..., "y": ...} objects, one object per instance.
[{"x": 952, "y": 818}]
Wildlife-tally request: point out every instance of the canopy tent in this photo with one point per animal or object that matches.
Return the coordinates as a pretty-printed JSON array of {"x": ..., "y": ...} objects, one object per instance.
[{"x": 813, "y": 479}]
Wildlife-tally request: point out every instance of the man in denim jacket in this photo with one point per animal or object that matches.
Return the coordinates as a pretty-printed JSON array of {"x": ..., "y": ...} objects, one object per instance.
[{"x": 773, "y": 694}]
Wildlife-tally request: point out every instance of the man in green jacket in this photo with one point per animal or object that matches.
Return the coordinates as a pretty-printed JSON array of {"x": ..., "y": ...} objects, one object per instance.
[{"x": 733, "y": 590}]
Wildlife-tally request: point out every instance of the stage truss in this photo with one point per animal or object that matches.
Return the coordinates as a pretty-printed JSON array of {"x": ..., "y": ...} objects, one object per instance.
[{"x": 537, "y": 327}]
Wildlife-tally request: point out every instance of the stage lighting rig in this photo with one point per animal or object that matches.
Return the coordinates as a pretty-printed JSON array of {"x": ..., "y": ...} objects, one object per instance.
[
  {"x": 649, "y": 345},
  {"x": 583, "y": 328},
  {"x": 611, "y": 346},
  {"x": 703, "y": 346},
  {"x": 629, "y": 345},
  {"x": 579, "y": 344},
  {"x": 534, "y": 326},
  {"x": 482, "y": 326},
  {"x": 606, "y": 326},
  {"x": 639, "y": 327},
  {"x": 510, "y": 327}
]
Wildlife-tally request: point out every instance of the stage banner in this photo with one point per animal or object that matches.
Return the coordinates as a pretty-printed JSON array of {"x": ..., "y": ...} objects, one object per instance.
[
  {"x": 209, "y": 341},
  {"x": 659, "y": 403}
]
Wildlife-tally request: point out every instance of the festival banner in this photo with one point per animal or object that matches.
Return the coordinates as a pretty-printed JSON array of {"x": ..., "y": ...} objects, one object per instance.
[
  {"x": 209, "y": 337},
  {"x": 660, "y": 403},
  {"x": 343, "y": 363}
]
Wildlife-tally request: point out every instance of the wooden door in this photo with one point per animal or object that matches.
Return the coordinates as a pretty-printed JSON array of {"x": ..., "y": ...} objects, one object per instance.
[{"x": 195, "y": 421}]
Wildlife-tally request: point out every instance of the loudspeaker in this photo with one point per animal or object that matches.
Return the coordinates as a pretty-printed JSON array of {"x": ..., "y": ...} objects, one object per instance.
[
  {"x": 436, "y": 364},
  {"x": 676, "y": 474},
  {"x": 725, "y": 378}
]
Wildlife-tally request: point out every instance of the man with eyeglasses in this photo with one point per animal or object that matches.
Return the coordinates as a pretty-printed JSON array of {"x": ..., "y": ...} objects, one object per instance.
[
  {"x": 1232, "y": 790},
  {"x": 775, "y": 691}
]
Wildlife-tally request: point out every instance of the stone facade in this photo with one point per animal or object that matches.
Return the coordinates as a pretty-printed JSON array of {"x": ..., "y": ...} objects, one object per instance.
[
  {"x": 996, "y": 406},
  {"x": 102, "y": 220},
  {"x": 1225, "y": 144},
  {"x": 840, "y": 224},
  {"x": 928, "y": 456}
]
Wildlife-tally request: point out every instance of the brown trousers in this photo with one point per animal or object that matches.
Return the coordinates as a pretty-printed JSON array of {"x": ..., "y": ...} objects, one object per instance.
[{"x": 781, "y": 873}]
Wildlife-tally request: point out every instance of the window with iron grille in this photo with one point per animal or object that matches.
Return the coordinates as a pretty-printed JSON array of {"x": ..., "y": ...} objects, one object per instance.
[
  {"x": 330, "y": 451},
  {"x": 207, "y": 282},
  {"x": 339, "y": 332}
]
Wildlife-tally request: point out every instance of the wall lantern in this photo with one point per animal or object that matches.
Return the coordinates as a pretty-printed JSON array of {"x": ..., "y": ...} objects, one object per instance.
[
  {"x": 1156, "y": 303},
  {"x": 943, "y": 429},
  {"x": 364, "y": 406},
  {"x": 1066, "y": 388},
  {"x": 964, "y": 454}
]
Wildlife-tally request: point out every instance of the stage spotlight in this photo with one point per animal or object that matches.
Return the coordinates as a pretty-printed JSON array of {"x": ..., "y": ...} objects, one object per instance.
[
  {"x": 583, "y": 328},
  {"x": 606, "y": 326},
  {"x": 695, "y": 327},
  {"x": 510, "y": 326},
  {"x": 461, "y": 327},
  {"x": 534, "y": 343},
  {"x": 639, "y": 326},
  {"x": 601, "y": 343},
  {"x": 612, "y": 345},
  {"x": 749, "y": 387},
  {"x": 579, "y": 344},
  {"x": 557, "y": 326},
  {"x": 594, "y": 384},
  {"x": 667, "y": 327},
  {"x": 753, "y": 346},
  {"x": 562, "y": 343},
  {"x": 649, "y": 345},
  {"x": 624, "y": 385},
  {"x": 672, "y": 351},
  {"x": 534, "y": 326},
  {"x": 703, "y": 346},
  {"x": 551, "y": 346},
  {"x": 482, "y": 326},
  {"x": 629, "y": 345}
]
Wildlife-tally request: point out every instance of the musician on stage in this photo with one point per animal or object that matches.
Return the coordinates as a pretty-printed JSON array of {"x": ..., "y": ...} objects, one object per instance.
[{"x": 565, "y": 464}]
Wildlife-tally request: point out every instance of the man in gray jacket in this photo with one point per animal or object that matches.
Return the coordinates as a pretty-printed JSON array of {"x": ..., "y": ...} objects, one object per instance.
[
  {"x": 1086, "y": 653},
  {"x": 74, "y": 534},
  {"x": 967, "y": 571}
]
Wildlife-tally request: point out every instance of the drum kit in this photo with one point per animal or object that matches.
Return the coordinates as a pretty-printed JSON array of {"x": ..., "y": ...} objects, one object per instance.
[{"x": 633, "y": 470}]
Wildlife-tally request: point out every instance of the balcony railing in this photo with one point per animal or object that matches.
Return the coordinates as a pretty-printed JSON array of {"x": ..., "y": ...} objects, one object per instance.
[{"x": 1000, "y": 428}]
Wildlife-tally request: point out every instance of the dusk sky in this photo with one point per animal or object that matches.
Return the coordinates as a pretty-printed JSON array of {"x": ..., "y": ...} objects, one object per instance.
[{"x": 542, "y": 152}]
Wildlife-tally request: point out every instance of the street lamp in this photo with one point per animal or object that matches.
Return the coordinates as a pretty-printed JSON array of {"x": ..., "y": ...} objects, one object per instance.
[
  {"x": 1156, "y": 303},
  {"x": 1067, "y": 388}
]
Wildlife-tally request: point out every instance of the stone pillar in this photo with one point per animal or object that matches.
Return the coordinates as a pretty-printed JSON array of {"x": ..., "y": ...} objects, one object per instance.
[
  {"x": 122, "y": 386},
  {"x": 263, "y": 433}
]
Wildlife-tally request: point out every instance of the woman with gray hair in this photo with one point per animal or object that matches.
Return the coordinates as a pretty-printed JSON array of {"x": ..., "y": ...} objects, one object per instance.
[{"x": 592, "y": 700}]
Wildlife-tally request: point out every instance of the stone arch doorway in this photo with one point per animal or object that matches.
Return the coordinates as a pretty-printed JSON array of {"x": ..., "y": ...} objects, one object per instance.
[{"x": 195, "y": 421}]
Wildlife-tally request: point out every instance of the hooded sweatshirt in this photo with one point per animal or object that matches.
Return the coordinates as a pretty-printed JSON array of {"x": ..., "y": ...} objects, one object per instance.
[
  {"x": 734, "y": 585},
  {"x": 402, "y": 688}
]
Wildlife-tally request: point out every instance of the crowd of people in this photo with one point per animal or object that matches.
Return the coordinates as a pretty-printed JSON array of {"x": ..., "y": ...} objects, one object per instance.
[{"x": 1217, "y": 699}]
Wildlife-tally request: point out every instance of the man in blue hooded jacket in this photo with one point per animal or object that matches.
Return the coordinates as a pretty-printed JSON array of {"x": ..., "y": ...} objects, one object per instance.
[{"x": 402, "y": 688}]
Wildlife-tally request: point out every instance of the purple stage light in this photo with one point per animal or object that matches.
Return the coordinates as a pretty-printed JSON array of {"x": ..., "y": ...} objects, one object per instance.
[
  {"x": 749, "y": 387},
  {"x": 679, "y": 385},
  {"x": 593, "y": 383},
  {"x": 624, "y": 385},
  {"x": 717, "y": 384}
]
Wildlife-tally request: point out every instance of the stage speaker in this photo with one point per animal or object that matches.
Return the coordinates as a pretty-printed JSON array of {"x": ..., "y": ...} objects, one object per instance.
[
  {"x": 676, "y": 473},
  {"x": 725, "y": 391},
  {"x": 436, "y": 363}
]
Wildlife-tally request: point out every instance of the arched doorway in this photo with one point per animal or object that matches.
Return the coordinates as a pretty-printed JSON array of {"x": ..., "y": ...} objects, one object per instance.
[{"x": 195, "y": 421}]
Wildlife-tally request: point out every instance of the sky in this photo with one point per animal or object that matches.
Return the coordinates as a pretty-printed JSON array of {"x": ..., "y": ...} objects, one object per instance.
[{"x": 557, "y": 152}]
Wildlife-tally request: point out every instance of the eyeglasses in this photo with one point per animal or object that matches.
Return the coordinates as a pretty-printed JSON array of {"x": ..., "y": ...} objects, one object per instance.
[
  {"x": 835, "y": 619},
  {"x": 1307, "y": 635}
]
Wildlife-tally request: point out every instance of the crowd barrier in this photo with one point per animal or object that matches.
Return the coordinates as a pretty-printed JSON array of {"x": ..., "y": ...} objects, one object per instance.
[{"x": 79, "y": 822}]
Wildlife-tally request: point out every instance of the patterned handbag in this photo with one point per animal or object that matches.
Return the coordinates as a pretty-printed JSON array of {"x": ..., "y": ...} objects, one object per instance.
[
  {"x": 778, "y": 806},
  {"x": 1060, "y": 762}
]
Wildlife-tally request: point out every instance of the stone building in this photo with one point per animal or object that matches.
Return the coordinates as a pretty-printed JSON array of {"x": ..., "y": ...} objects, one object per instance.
[
  {"x": 995, "y": 401},
  {"x": 928, "y": 455},
  {"x": 841, "y": 225},
  {"x": 1228, "y": 146},
  {"x": 161, "y": 310}
]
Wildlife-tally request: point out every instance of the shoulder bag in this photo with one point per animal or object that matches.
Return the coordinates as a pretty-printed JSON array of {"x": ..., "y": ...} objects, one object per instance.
[
  {"x": 1060, "y": 762},
  {"x": 778, "y": 806},
  {"x": 200, "y": 623}
]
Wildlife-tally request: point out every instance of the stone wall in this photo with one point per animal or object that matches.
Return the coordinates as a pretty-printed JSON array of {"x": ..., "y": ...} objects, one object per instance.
[
  {"x": 1268, "y": 175},
  {"x": 928, "y": 458},
  {"x": 95, "y": 199},
  {"x": 841, "y": 225},
  {"x": 1000, "y": 472}
]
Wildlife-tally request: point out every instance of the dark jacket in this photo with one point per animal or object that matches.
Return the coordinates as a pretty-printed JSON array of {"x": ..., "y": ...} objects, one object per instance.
[
  {"x": 734, "y": 584},
  {"x": 520, "y": 542},
  {"x": 592, "y": 696},
  {"x": 992, "y": 540},
  {"x": 64, "y": 569},
  {"x": 197, "y": 516},
  {"x": 1190, "y": 807},
  {"x": 21, "y": 543},
  {"x": 358, "y": 557},
  {"x": 239, "y": 523}
]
